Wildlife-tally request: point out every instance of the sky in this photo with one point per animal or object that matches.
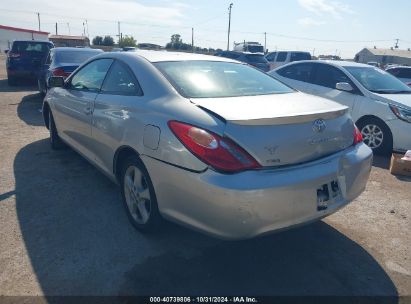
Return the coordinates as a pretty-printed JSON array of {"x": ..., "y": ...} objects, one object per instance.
[{"x": 318, "y": 26}]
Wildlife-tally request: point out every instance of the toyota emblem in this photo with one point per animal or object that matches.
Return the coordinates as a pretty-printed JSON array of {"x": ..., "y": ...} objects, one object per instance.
[{"x": 319, "y": 125}]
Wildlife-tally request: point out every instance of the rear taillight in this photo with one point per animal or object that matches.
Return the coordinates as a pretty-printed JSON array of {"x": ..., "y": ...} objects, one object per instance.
[
  {"x": 14, "y": 55},
  {"x": 357, "y": 136},
  {"x": 219, "y": 152},
  {"x": 60, "y": 72}
]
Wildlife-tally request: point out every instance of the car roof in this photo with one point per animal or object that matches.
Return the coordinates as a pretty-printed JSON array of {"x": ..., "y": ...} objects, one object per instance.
[
  {"x": 399, "y": 66},
  {"x": 161, "y": 56},
  {"x": 74, "y": 49},
  {"x": 42, "y": 41},
  {"x": 338, "y": 63}
]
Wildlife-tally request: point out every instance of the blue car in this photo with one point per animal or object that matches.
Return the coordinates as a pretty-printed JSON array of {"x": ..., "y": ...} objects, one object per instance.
[
  {"x": 63, "y": 61},
  {"x": 25, "y": 59}
]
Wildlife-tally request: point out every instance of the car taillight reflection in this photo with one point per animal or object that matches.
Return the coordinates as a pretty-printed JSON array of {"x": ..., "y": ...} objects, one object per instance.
[{"x": 60, "y": 72}]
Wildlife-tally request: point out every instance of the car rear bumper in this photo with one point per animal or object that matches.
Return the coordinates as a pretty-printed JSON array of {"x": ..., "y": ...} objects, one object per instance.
[
  {"x": 251, "y": 203},
  {"x": 22, "y": 73}
]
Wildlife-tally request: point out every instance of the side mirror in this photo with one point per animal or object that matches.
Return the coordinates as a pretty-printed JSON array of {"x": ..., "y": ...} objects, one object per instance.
[
  {"x": 56, "y": 82},
  {"x": 344, "y": 86},
  {"x": 6, "y": 51}
]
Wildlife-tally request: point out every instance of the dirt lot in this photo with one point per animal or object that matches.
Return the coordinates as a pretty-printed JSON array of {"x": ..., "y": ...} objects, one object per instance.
[{"x": 63, "y": 231}]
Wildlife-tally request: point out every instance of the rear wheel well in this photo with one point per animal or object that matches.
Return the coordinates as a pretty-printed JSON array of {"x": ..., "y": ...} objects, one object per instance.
[
  {"x": 46, "y": 110},
  {"x": 121, "y": 154}
]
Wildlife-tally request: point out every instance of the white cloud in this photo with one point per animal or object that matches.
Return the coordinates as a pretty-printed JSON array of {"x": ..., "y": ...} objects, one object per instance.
[
  {"x": 307, "y": 22},
  {"x": 323, "y": 7}
]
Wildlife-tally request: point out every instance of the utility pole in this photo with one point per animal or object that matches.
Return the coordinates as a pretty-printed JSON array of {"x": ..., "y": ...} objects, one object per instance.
[
  {"x": 396, "y": 43},
  {"x": 265, "y": 42},
  {"x": 119, "y": 33},
  {"x": 68, "y": 25},
  {"x": 84, "y": 29},
  {"x": 88, "y": 35},
  {"x": 38, "y": 18},
  {"x": 192, "y": 39},
  {"x": 229, "y": 25},
  {"x": 56, "y": 29}
]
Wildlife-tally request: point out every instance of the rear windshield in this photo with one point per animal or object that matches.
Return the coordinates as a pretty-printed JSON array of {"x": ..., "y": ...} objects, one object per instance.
[
  {"x": 256, "y": 58},
  {"x": 207, "y": 79},
  {"x": 26, "y": 46},
  {"x": 75, "y": 57},
  {"x": 300, "y": 56}
]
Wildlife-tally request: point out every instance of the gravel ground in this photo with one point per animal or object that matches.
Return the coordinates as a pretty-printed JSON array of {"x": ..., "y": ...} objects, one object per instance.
[{"x": 63, "y": 231}]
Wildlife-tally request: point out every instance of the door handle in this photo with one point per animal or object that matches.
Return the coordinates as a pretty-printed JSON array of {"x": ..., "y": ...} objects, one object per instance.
[{"x": 88, "y": 111}]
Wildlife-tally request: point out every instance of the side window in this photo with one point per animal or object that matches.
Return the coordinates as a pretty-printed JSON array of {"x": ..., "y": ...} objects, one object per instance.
[
  {"x": 328, "y": 76},
  {"x": 91, "y": 76},
  {"x": 121, "y": 81},
  {"x": 301, "y": 71},
  {"x": 281, "y": 57},
  {"x": 271, "y": 56}
]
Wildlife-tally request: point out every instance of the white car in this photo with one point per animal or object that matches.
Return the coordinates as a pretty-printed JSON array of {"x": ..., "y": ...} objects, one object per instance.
[
  {"x": 380, "y": 103},
  {"x": 403, "y": 73}
]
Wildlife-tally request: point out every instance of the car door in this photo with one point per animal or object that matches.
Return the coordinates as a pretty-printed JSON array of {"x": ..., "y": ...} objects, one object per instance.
[
  {"x": 323, "y": 83},
  {"x": 296, "y": 75},
  {"x": 119, "y": 103},
  {"x": 74, "y": 105}
]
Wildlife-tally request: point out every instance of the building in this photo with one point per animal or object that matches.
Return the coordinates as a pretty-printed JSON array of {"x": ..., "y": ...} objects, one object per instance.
[
  {"x": 70, "y": 41},
  {"x": 8, "y": 34},
  {"x": 384, "y": 56}
]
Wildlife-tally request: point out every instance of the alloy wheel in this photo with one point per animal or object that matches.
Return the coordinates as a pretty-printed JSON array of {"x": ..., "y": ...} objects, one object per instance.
[
  {"x": 137, "y": 194},
  {"x": 373, "y": 136}
]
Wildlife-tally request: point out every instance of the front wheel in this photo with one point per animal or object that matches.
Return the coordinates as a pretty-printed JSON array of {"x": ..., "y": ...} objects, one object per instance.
[
  {"x": 138, "y": 195},
  {"x": 376, "y": 135}
]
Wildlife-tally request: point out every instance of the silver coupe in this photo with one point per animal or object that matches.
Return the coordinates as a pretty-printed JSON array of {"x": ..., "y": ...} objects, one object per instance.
[{"x": 208, "y": 142}]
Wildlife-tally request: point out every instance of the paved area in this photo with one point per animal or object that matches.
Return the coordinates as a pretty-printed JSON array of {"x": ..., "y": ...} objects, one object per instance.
[{"x": 63, "y": 231}]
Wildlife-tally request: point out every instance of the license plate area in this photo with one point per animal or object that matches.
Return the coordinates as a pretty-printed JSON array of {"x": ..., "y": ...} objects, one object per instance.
[{"x": 327, "y": 194}]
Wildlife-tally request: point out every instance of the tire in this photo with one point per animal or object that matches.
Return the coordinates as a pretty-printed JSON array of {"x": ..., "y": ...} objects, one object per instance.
[
  {"x": 55, "y": 141},
  {"x": 376, "y": 135},
  {"x": 42, "y": 91},
  {"x": 138, "y": 196}
]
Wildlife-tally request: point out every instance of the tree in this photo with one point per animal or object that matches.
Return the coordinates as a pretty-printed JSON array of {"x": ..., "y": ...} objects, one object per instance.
[
  {"x": 127, "y": 41},
  {"x": 108, "y": 40},
  {"x": 98, "y": 40},
  {"x": 176, "y": 39}
]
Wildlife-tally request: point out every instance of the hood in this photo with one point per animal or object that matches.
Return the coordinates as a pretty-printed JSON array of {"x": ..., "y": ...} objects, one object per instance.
[
  {"x": 274, "y": 108},
  {"x": 397, "y": 99}
]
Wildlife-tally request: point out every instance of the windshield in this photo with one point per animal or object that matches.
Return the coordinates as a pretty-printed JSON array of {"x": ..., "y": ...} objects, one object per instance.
[
  {"x": 74, "y": 57},
  {"x": 378, "y": 81},
  {"x": 256, "y": 58},
  {"x": 255, "y": 48},
  {"x": 206, "y": 79}
]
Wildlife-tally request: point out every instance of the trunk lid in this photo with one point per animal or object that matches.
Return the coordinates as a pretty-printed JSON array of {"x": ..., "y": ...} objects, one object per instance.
[{"x": 284, "y": 129}]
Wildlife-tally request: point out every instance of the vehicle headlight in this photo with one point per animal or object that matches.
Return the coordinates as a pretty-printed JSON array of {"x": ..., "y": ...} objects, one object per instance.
[{"x": 402, "y": 113}]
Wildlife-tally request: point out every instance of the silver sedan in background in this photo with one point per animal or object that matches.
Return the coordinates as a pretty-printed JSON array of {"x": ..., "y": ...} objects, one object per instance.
[{"x": 208, "y": 142}]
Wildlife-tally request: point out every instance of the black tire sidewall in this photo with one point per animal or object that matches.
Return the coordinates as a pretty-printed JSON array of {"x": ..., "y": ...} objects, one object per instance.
[
  {"x": 155, "y": 219},
  {"x": 386, "y": 147},
  {"x": 55, "y": 141}
]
